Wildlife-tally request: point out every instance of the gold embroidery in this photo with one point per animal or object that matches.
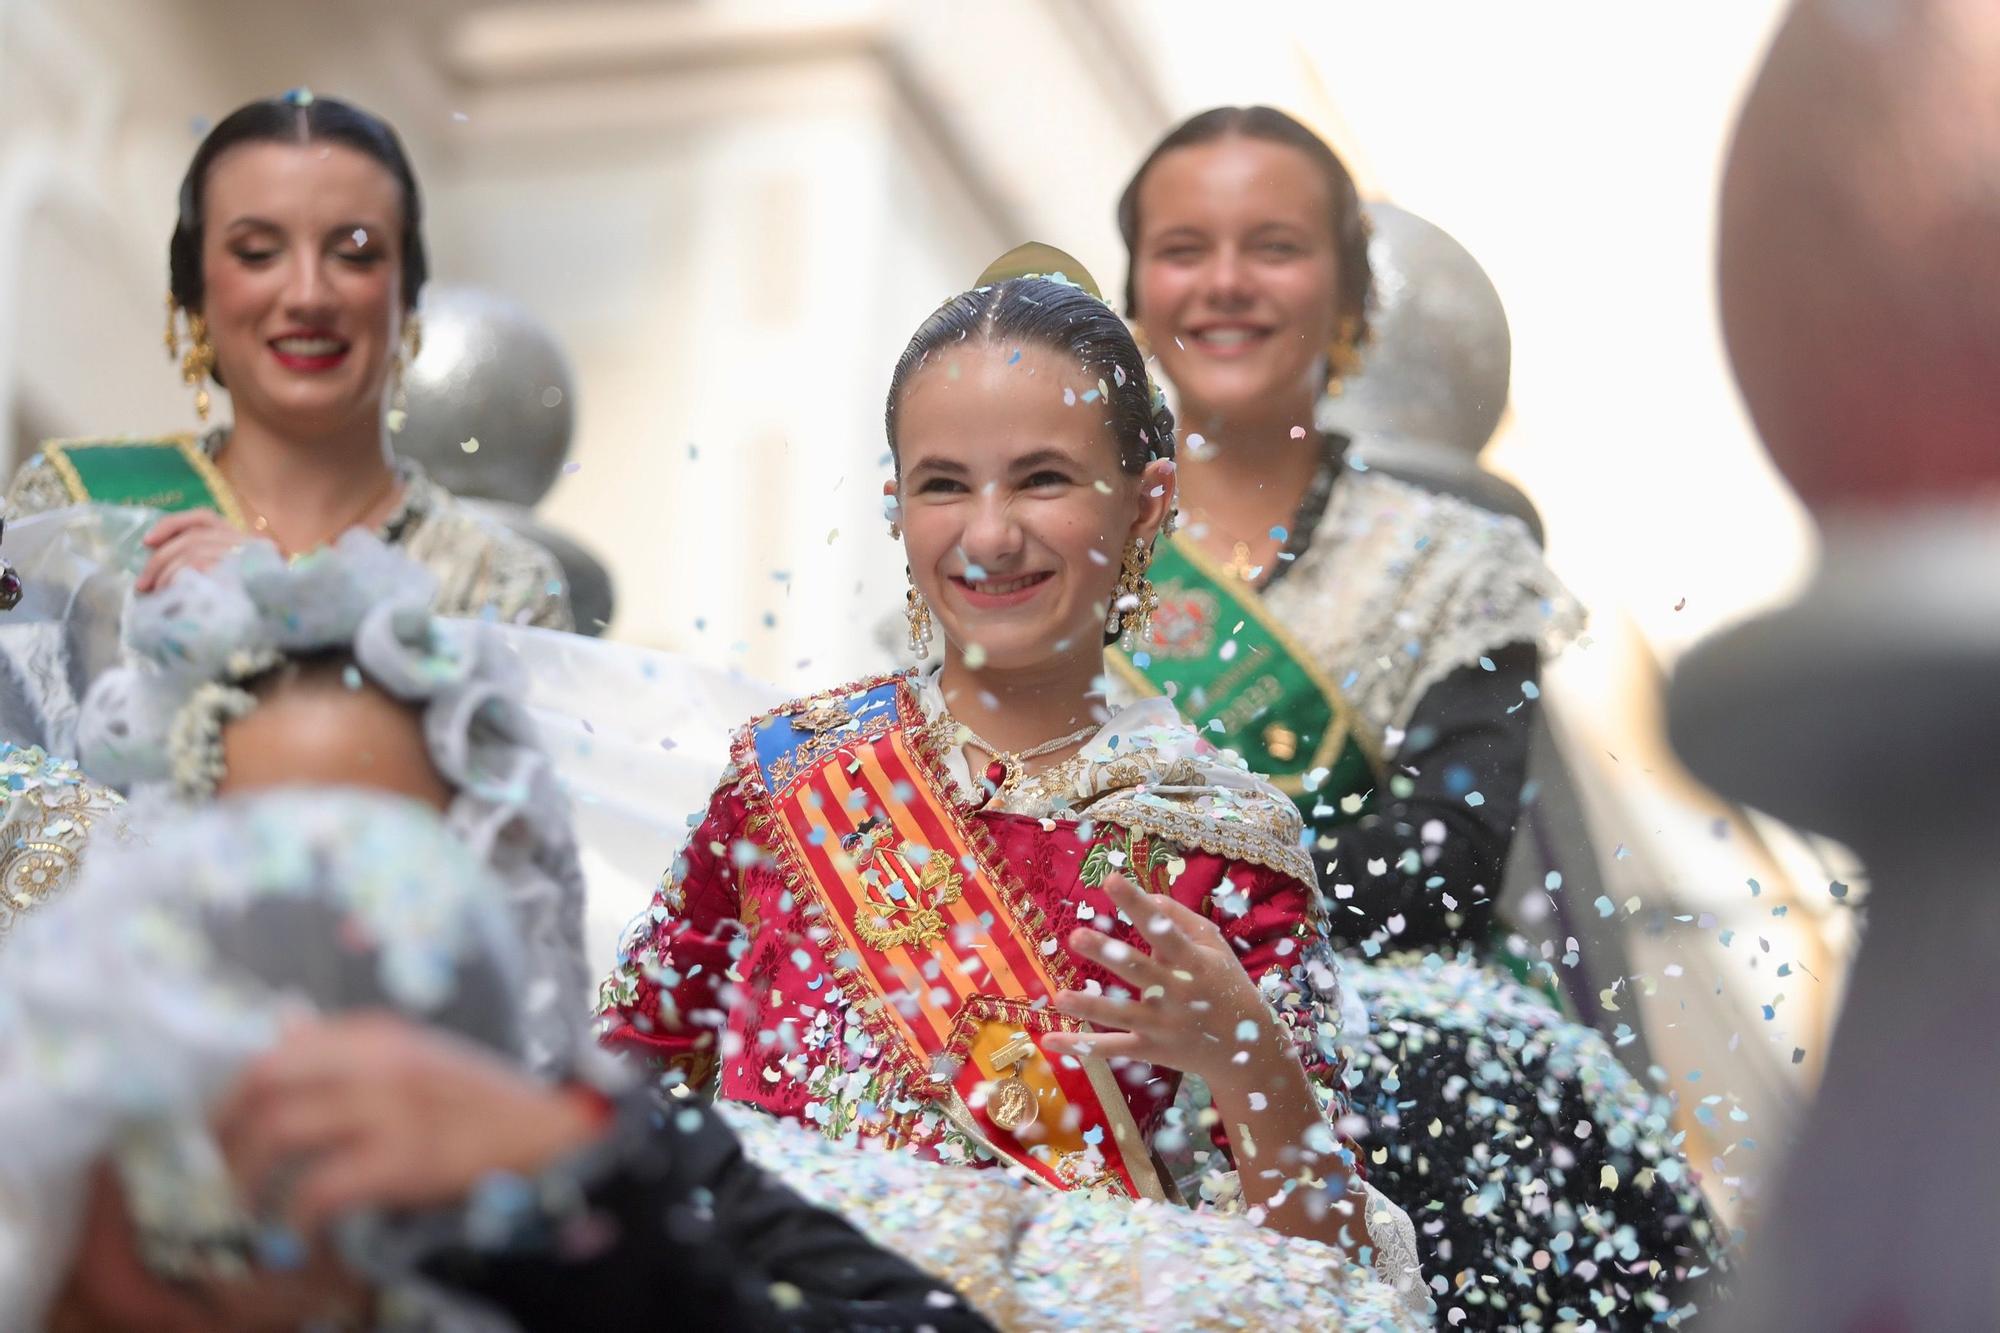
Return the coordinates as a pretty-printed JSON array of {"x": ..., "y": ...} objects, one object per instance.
[
  {"x": 824, "y": 717},
  {"x": 903, "y": 901},
  {"x": 39, "y": 854}
]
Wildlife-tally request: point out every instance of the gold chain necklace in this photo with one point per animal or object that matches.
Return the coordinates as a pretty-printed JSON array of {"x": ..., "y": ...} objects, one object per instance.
[
  {"x": 1012, "y": 763},
  {"x": 261, "y": 524}
]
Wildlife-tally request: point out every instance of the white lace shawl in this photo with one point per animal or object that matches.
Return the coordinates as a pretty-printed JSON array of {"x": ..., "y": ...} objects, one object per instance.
[
  {"x": 1401, "y": 586},
  {"x": 1146, "y": 767}
]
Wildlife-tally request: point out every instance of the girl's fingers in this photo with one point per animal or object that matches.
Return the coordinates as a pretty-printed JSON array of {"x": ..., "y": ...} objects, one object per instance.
[
  {"x": 1171, "y": 930},
  {"x": 204, "y": 551},
  {"x": 1104, "y": 1046},
  {"x": 149, "y": 575},
  {"x": 1108, "y": 1011},
  {"x": 1138, "y": 970}
]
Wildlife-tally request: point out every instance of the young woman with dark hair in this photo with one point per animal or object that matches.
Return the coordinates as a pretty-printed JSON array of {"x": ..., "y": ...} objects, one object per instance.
[
  {"x": 977, "y": 915},
  {"x": 296, "y": 261},
  {"x": 1372, "y": 647}
]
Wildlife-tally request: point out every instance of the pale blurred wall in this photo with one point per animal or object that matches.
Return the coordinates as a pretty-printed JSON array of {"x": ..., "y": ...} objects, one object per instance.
[{"x": 735, "y": 216}]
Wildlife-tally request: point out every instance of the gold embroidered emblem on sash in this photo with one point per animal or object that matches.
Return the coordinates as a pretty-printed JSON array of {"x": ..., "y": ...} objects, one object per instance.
[{"x": 902, "y": 899}]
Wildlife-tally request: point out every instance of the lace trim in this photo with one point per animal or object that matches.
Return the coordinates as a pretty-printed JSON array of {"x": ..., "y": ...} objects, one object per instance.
[
  {"x": 1394, "y": 1238},
  {"x": 1238, "y": 842},
  {"x": 1402, "y": 586}
]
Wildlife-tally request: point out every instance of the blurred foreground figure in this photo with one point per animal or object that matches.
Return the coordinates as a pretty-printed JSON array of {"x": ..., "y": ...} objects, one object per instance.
[
  {"x": 1860, "y": 273},
  {"x": 221, "y": 1141},
  {"x": 332, "y": 670}
]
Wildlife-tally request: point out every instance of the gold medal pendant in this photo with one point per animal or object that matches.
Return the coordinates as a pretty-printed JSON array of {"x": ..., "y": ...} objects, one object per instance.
[{"x": 1010, "y": 1102}]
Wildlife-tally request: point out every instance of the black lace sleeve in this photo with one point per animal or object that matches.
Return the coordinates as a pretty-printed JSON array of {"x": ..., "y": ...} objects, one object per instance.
[{"x": 1442, "y": 887}]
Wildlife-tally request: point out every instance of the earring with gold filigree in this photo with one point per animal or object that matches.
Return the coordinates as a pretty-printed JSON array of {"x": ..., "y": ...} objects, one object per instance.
[
  {"x": 197, "y": 360},
  {"x": 1343, "y": 357},
  {"x": 406, "y": 355},
  {"x": 1135, "y": 598},
  {"x": 918, "y": 612},
  {"x": 1140, "y": 340}
]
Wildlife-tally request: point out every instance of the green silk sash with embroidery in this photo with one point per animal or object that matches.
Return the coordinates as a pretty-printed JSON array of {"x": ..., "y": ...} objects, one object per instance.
[
  {"x": 1246, "y": 685},
  {"x": 170, "y": 473}
]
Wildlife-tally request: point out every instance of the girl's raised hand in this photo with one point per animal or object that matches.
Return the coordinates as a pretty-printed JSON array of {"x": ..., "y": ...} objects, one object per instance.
[{"x": 1190, "y": 1005}]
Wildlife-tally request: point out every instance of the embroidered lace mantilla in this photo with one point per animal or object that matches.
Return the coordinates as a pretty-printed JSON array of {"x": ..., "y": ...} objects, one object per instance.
[
  {"x": 1400, "y": 586},
  {"x": 1148, "y": 770}
]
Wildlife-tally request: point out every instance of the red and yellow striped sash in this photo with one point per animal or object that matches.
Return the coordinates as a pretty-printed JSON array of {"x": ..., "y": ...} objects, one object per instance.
[{"x": 959, "y": 969}]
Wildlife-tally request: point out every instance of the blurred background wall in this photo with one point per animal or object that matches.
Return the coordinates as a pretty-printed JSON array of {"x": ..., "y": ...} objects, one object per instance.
[{"x": 732, "y": 213}]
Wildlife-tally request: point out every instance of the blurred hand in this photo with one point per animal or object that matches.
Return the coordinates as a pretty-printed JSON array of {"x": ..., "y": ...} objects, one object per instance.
[
  {"x": 1190, "y": 1007},
  {"x": 379, "y": 1112},
  {"x": 190, "y": 539}
]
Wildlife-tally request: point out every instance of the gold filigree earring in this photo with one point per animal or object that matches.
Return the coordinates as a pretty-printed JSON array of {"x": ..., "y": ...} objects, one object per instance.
[
  {"x": 918, "y": 612},
  {"x": 197, "y": 360},
  {"x": 1343, "y": 357},
  {"x": 406, "y": 355},
  {"x": 1135, "y": 598}
]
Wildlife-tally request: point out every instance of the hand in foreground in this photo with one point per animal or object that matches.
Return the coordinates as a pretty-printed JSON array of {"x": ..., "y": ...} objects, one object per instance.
[
  {"x": 1192, "y": 1007},
  {"x": 190, "y": 539},
  {"x": 375, "y": 1111}
]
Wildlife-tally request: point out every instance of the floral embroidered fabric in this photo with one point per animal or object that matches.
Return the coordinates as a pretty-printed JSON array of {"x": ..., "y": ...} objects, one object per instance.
[{"x": 723, "y": 982}]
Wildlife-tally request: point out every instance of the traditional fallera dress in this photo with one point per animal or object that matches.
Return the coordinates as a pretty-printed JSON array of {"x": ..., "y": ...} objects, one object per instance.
[
  {"x": 861, "y": 938},
  {"x": 481, "y": 567},
  {"x": 1381, "y": 678}
]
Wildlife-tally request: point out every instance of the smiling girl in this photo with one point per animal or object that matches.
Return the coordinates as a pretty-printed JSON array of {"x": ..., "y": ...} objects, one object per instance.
[
  {"x": 1371, "y": 647},
  {"x": 973, "y": 912},
  {"x": 296, "y": 262}
]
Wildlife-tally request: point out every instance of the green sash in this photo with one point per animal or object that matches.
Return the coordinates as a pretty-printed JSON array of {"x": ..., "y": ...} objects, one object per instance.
[
  {"x": 1232, "y": 665},
  {"x": 169, "y": 473},
  {"x": 1229, "y": 659}
]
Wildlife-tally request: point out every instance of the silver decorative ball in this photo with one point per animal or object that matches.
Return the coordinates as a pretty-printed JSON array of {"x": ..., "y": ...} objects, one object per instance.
[
  {"x": 490, "y": 402},
  {"x": 1435, "y": 368}
]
